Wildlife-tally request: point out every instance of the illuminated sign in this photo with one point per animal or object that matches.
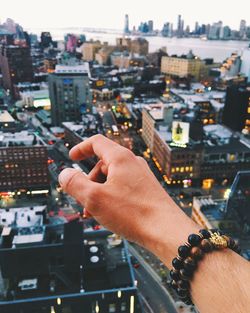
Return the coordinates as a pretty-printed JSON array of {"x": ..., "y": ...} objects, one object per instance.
[
  {"x": 100, "y": 83},
  {"x": 45, "y": 102},
  {"x": 180, "y": 133}
]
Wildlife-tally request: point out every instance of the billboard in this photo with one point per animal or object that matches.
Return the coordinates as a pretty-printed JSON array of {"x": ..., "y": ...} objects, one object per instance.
[{"x": 180, "y": 132}]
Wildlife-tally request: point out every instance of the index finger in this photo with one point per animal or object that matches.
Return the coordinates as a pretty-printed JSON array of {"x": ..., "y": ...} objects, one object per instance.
[{"x": 98, "y": 145}]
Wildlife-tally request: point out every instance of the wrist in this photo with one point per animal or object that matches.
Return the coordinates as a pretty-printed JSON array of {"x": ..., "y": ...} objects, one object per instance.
[{"x": 169, "y": 229}]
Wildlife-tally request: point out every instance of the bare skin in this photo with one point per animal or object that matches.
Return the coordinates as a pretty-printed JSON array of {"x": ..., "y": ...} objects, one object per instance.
[{"x": 124, "y": 196}]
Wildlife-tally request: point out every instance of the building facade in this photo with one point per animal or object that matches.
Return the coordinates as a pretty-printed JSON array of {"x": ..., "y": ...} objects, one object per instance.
[
  {"x": 216, "y": 157},
  {"x": 140, "y": 46},
  {"x": 16, "y": 66},
  {"x": 69, "y": 93},
  {"x": 89, "y": 50},
  {"x": 23, "y": 164},
  {"x": 236, "y": 114},
  {"x": 181, "y": 67}
]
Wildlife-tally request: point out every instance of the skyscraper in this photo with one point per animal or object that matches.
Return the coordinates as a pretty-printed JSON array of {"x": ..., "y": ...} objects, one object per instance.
[
  {"x": 15, "y": 65},
  {"x": 69, "y": 93},
  {"x": 215, "y": 31},
  {"x": 150, "y": 26},
  {"x": 243, "y": 28},
  {"x": 126, "y": 26},
  {"x": 180, "y": 27}
]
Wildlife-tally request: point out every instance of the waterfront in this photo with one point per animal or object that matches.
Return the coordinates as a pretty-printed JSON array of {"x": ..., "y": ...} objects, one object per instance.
[{"x": 217, "y": 49}]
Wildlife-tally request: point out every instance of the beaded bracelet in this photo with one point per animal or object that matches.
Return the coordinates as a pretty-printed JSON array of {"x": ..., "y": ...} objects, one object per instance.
[{"x": 191, "y": 253}]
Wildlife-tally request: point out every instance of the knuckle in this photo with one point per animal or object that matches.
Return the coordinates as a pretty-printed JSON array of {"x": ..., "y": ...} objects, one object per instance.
[
  {"x": 71, "y": 182},
  {"x": 124, "y": 155}
]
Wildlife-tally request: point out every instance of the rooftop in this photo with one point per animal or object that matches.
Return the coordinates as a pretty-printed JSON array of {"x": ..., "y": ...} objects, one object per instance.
[
  {"x": 23, "y": 138},
  {"x": 90, "y": 125},
  {"x": 73, "y": 69},
  {"x": 22, "y": 217},
  {"x": 5, "y": 117}
]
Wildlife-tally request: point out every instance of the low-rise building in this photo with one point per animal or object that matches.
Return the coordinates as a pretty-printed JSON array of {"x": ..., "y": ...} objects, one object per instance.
[
  {"x": 188, "y": 66},
  {"x": 121, "y": 59},
  {"x": 89, "y": 50},
  {"x": 23, "y": 164},
  {"x": 140, "y": 46},
  {"x": 102, "y": 56},
  {"x": 185, "y": 66},
  {"x": 215, "y": 156}
]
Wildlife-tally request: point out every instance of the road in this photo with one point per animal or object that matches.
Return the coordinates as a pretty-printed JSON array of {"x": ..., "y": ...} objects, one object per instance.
[
  {"x": 153, "y": 293},
  {"x": 149, "y": 284}
]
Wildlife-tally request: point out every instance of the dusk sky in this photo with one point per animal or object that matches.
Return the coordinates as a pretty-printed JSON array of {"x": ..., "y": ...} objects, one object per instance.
[{"x": 110, "y": 13}]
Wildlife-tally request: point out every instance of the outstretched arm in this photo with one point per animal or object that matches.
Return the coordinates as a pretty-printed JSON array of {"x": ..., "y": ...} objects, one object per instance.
[{"x": 124, "y": 196}]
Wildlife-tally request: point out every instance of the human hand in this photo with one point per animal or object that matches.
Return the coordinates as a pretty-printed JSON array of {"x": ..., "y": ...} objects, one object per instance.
[{"x": 120, "y": 192}]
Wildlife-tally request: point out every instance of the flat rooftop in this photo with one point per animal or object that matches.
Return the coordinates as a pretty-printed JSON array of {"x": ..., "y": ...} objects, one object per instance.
[
  {"x": 22, "y": 138},
  {"x": 75, "y": 69},
  {"x": 5, "y": 117},
  {"x": 22, "y": 217}
]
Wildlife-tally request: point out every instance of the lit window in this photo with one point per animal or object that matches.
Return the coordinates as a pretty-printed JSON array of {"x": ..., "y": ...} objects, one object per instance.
[{"x": 123, "y": 306}]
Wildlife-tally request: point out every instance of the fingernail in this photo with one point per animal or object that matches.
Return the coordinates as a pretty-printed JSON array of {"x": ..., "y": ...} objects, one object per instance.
[{"x": 65, "y": 175}]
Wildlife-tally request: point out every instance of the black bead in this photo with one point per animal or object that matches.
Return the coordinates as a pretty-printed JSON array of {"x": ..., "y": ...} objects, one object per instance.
[
  {"x": 231, "y": 244},
  {"x": 183, "y": 284},
  {"x": 194, "y": 240},
  {"x": 190, "y": 266},
  {"x": 205, "y": 233},
  {"x": 175, "y": 275},
  {"x": 177, "y": 264},
  {"x": 183, "y": 251},
  {"x": 236, "y": 247},
  {"x": 182, "y": 293},
  {"x": 186, "y": 274}
]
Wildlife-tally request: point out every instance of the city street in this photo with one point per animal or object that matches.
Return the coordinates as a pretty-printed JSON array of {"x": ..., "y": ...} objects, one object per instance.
[{"x": 150, "y": 286}]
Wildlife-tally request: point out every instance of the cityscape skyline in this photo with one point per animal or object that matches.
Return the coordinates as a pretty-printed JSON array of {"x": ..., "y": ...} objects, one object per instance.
[{"x": 96, "y": 18}]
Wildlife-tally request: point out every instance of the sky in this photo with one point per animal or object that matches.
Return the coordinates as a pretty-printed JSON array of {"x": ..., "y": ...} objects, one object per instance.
[{"x": 110, "y": 13}]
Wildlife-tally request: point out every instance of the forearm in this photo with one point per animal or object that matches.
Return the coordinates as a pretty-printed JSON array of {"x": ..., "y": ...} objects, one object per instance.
[{"x": 222, "y": 281}]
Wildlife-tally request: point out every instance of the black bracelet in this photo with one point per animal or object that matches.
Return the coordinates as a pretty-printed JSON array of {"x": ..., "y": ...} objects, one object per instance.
[{"x": 189, "y": 254}]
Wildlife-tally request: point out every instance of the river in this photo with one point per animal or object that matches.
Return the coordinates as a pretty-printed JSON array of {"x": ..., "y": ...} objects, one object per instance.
[{"x": 219, "y": 50}]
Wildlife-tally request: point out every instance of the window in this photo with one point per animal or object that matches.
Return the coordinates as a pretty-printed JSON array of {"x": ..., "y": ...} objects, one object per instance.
[
  {"x": 123, "y": 306},
  {"x": 112, "y": 308}
]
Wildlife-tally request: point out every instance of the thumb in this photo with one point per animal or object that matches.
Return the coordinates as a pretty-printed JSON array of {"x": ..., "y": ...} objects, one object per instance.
[{"x": 77, "y": 184}]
